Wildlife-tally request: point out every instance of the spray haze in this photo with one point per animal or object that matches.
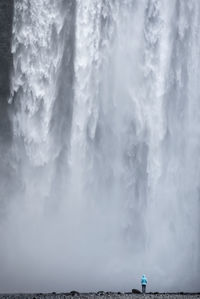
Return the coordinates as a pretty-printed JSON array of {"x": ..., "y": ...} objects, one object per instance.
[{"x": 104, "y": 159}]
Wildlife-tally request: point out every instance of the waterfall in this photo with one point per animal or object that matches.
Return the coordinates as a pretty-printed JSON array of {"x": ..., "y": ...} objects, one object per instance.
[{"x": 105, "y": 117}]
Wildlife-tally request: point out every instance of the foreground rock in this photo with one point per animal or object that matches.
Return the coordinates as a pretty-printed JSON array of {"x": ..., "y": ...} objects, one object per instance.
[{"x": 104, "y": 295}]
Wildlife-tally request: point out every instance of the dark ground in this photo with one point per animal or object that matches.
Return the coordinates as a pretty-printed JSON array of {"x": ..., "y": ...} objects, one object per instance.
[{"x": 101, "y": 296}]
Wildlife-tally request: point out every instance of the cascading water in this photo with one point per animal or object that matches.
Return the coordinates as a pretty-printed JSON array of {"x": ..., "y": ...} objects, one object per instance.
[{"x": 105, "y": 110}]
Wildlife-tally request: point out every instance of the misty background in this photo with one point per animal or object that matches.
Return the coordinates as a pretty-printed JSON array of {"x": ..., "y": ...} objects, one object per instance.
[{"x": 99, "y": 145}]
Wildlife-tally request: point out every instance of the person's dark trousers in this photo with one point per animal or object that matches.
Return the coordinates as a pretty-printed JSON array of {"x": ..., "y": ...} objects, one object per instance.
[{"x": 143, "y": 288}]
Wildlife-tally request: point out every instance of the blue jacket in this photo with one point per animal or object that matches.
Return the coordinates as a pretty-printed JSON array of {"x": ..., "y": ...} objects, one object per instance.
[{"x": 143, "y": 280}]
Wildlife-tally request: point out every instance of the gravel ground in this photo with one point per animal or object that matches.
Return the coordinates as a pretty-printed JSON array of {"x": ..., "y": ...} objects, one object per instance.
[{"x": 95, "y": 296}]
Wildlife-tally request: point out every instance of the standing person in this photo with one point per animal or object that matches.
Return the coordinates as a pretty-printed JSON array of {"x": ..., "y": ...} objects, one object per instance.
[{"x": 144, "y": 283}]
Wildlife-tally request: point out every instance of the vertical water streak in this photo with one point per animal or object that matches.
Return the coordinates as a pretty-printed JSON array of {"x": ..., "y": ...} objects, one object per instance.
[{"x": 85, "y": 106}]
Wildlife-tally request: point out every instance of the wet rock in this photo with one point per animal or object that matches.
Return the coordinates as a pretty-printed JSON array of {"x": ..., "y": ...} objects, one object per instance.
[
  {"x": 135, "y": 291},
  {"x": 75, "y": 293},
  {"x": 101, "y": 293}
]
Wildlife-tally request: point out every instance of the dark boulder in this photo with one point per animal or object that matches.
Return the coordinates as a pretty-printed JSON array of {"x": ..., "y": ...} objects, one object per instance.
[
  {"x": 135, "y": 291},
  {"x": 100, "y": 293},
  {"x": 75, "y": 293},
  {"x": 109, "y": 293}
]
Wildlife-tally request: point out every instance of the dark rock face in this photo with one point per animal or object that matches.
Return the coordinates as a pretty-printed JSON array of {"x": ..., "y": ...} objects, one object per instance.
[{"x": 6, "y": 19}]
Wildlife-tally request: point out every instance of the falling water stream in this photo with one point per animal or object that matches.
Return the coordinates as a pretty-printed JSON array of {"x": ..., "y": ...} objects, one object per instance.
[{"x": 105, "y": 153}]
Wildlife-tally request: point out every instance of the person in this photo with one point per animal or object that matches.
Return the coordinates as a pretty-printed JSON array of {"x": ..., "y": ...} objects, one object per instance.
[{"x": 144, "y": 283}]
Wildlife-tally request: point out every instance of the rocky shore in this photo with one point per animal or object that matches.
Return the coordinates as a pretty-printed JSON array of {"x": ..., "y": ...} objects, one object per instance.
[{"x": 101, "y": 295}]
